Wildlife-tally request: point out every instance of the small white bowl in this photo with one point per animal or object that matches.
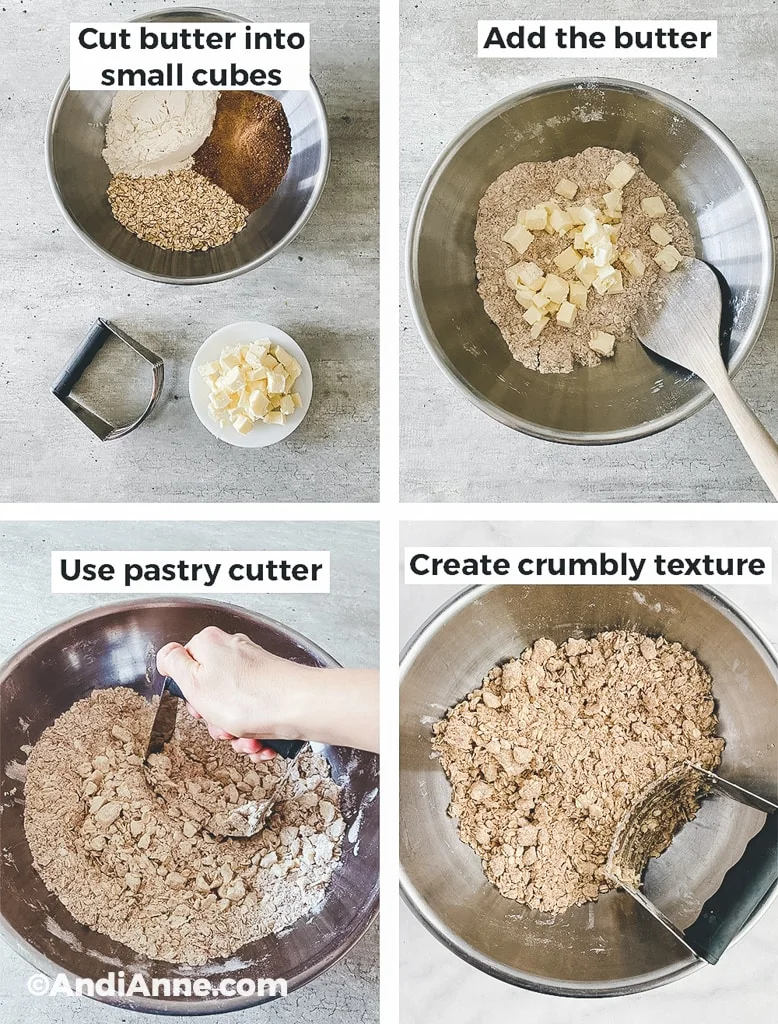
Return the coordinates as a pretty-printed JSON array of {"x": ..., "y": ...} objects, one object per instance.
[{"x": 262, "y": 434}]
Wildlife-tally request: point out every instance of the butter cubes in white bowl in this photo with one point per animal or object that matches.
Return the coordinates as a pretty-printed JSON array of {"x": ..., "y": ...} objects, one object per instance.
[{"x": 250, "y": 384}]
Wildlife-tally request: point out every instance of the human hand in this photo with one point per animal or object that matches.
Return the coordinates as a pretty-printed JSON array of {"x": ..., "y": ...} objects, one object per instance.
[{"x": 244, "y": 693}]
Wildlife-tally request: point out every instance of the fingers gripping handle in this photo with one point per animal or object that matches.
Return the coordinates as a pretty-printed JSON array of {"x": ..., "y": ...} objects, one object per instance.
[{"x": 286, "y": 748}]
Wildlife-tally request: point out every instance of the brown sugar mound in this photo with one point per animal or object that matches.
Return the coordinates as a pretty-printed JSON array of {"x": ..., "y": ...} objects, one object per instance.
[
  {"x": 249, "y": 148},
  {"x": 549, "y": 753},
  {"x": 134, "y": 866}
]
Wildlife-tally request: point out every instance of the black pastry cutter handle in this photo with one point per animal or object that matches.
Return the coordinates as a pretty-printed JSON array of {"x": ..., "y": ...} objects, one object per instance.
[
  {"x": 100, "y": 332},
  {"x": 286, "y": 748}
]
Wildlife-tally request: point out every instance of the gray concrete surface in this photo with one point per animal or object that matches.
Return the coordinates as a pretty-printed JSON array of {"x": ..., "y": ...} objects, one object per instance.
[
  {"x": 443, "y": 86},
  {"x": 323, "y": 290},
  {"x": 434, "y": 983},
  {"x": 344, "y": 622}
]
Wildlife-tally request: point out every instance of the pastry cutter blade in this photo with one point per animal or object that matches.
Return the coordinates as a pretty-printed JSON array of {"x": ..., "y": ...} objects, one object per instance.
[
  {"x": 100, "y": 332},
  {"x": 249, "y": 818},
  {"x": 706, "y": 923}
]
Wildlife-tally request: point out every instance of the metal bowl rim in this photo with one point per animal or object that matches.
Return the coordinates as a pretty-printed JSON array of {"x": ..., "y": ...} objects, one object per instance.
[
  {"x": 223, "y": 275},
  {"x": 149, "y": 1004},
  {"x": 515, "y": 422},
  {"x": 446, "y": 936}
]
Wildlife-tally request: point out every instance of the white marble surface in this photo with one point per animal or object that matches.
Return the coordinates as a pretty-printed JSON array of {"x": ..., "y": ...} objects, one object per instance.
[
  {"x": 698, "y": 460},
  {"x": 344, "y": 622},
  {"x": 322, "y": 290},
  {"x": 436, "y": 984}
]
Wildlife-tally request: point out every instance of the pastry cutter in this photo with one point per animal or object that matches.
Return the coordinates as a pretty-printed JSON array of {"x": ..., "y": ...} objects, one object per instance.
[
  {"x": 100, "y": 332},
  {"x": 249, "y": 818},
  {"x": 741, "y": 824}
]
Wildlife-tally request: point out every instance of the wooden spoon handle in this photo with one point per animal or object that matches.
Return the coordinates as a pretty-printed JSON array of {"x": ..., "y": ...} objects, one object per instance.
[{"x": 759, "y": 445}]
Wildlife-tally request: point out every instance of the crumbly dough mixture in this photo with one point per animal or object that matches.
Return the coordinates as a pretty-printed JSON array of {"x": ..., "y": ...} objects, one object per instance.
[
  {"x": 560, "y": 349},
  {"x": 129, "y": 864},
  {"x": 552, "y": 749}
]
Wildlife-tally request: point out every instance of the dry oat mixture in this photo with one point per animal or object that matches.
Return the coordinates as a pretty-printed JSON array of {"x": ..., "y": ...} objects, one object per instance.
[
  {"x": 135, "y": 867},
  {"x": 181, "y": 210},
  {"x": 549, "y": 753},
  {"x": 559, "y": 349}
]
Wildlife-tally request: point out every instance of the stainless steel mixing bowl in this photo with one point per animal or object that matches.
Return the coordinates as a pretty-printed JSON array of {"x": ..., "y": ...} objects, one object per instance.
[
  {"x": 612, "y": 946},
  {"x": 108, "y": 647},
  {"x": 79, "y": 177},
  {"x": 635, "y": 393}
]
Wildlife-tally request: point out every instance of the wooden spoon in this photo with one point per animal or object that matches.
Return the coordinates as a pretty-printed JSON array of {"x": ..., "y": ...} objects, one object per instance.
[{"x": 681, "y": 322}]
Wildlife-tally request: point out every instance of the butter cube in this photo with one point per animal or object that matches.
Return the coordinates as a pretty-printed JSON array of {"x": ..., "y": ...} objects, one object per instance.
[
  {"x": 276, "y": 382},
  {"x": 575, "y": 213},
  {"x": 577, "y": 294},
  {"x": 259, "y": 374},
  {"x": 602, "y": 343},
  {"x": 524, "y": 296},
  {"x": 589, "y": 213},
  {"x": 285, "y": 358},
  {"x": 603, "y": 253},
  {"x": 615, "y": 282},
  {"x": 592, "y": 231},
  {"x": 560, "y": 221},
  {"x": 297, "y": 399},
  {"x": 242, "y": 424},
  {"x": 668, "y": 258},
  {"x": 613, "y": 201},
  {"x": 530, "y": 275},
  {"x": 537, "y": 329},
  {"x": 287, "y": 405},
  {"x": 621, "y": 174},
  {"x": 532, "y": 315},
  {"x": 536, "y": 219},
  {"x": 219, "y": 400},
  {"x": 540, "y": 300},
  {"x": 258, "y": 403},
  {"x": 567, "y": 259},
  {"x": 555, "y": 288},
  {"x": 275, "y": 417},
  {"x": 252, "y": 359},
  {"x": 633, "y": 263},
  {"x": 586, "y": 271},
  {"x": 606, "y": 280},
  {"x": 210, "y": 369},
  {"x": 521, "y": 217},
  {"x": 659, "y": 235},
  {"x": 566, "y": 314},
  {"x": 566, "y": 188},
  {"x": 519, "y": 238},
  {"x": 228, "y": 361},
  {"x": 233, "y": 379},
  {"x": 653, "y": 207},
  {"x": 269, "y": 361},
  {"x": 579, "y": 242}
]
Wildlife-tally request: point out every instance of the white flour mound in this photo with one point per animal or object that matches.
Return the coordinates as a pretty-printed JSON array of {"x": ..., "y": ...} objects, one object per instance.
[{"x": 151, "y": 133}]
